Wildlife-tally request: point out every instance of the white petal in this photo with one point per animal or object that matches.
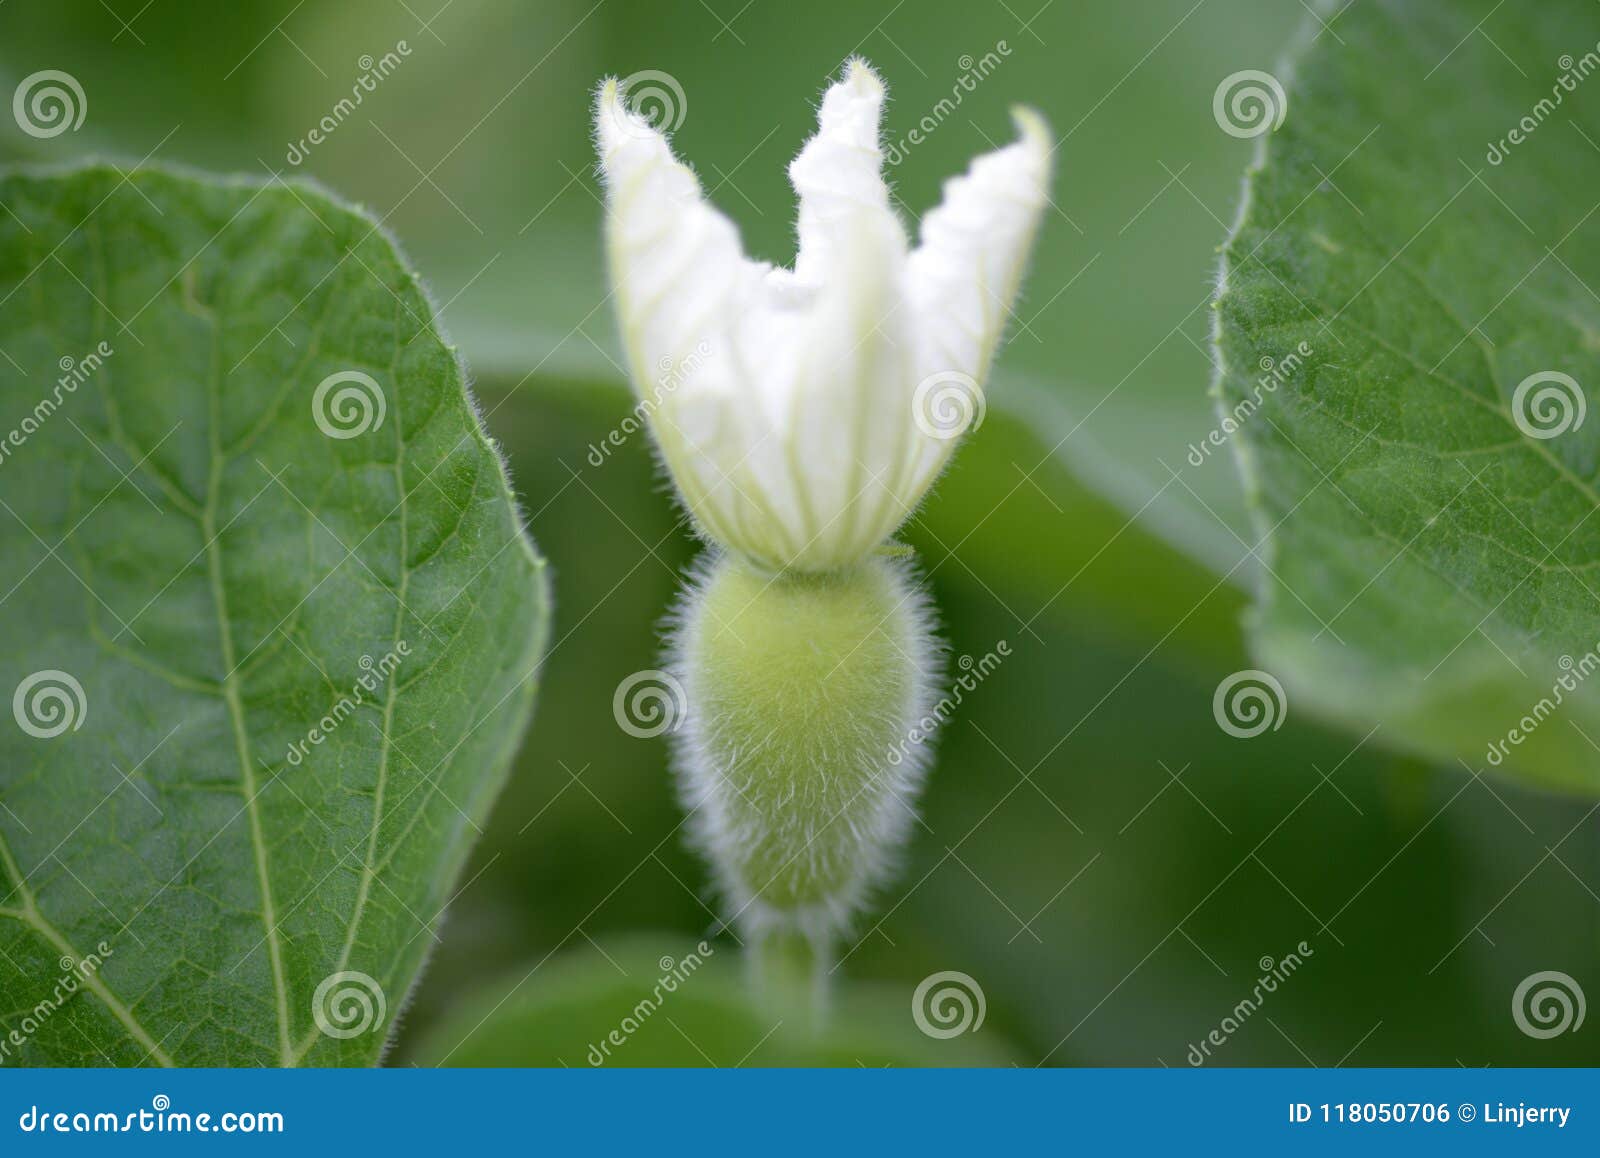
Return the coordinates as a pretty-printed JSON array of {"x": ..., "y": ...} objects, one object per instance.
[
  {"x": 964, "y": 274},
  {"x": 679, "y": 273},
  {"x": 839, "y": 174},
  {"x": 849, "y": 426},
  {"x": 676, "y": 261}
]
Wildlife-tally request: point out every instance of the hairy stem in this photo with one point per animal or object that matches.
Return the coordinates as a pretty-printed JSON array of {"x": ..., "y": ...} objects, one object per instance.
[{"x": 789, "y": 971}]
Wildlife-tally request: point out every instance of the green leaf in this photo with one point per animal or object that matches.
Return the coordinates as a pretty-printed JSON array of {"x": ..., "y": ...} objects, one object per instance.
[
  {"x": 271, "y": 650},
  {"x": 1431, "y": 559},
  {"x": 659, "y": 1001}
]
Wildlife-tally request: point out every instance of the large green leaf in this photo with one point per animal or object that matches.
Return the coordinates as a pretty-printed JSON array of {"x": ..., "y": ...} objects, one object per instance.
[
  {"x": 272, "y": 643},
  {"x": 1429, "y": 534}
]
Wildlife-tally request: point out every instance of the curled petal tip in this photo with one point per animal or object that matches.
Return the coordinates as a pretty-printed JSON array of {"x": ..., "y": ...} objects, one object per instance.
[
  {"x": 1036, "y": 148},
  {"x": 852, "y": 106},
  {"x": 1032, "y": 128},
  {"x": 839, "y": 173},
  {"x": 859, "y": 75},
  {"x": 647, "y": 106},
  {"x": 610, "y": 116}
]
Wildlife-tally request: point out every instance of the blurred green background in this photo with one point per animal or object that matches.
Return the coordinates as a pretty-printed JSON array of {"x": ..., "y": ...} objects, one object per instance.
[{"x": 1108, "y": 865}]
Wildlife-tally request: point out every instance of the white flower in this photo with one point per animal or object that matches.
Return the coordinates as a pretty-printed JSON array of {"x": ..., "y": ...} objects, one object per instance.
[{"x": 786, "y": 403}]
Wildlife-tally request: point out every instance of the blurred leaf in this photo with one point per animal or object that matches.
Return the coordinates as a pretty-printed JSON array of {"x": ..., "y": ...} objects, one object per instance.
[
  {"x": 1431, "y": 550},
  {"x": 669, "y": 1002},
  {"x": 272, "y": 645}
]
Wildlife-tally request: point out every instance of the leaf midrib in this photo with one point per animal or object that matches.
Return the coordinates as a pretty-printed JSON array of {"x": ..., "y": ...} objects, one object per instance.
[{"x": 230, "y": 678}]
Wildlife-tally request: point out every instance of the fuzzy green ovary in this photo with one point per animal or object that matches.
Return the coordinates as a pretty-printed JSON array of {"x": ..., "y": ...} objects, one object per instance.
[{"x": 802, "y": 683}]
